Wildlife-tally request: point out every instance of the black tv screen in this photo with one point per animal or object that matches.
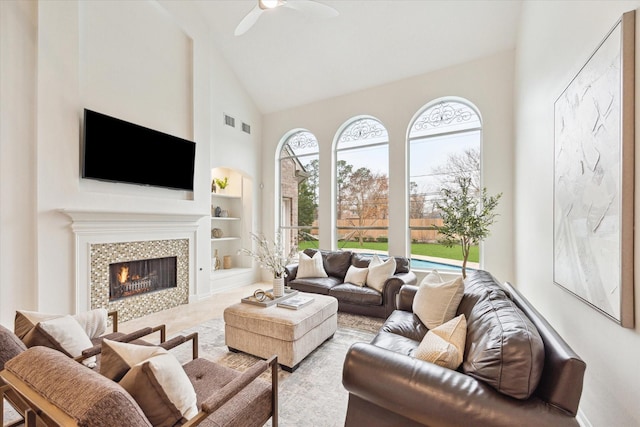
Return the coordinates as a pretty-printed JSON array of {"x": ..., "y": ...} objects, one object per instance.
[{"x": 119, "y": 151}]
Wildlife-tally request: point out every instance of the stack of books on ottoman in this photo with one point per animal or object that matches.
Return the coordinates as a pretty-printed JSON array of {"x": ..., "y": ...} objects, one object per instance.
[{"x": 295, "y": 302}]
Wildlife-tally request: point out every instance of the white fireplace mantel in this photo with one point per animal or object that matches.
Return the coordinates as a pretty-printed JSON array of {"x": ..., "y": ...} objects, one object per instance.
[
  {"x": 93, "y": 227},
  {"x": 112, "y": 221}
]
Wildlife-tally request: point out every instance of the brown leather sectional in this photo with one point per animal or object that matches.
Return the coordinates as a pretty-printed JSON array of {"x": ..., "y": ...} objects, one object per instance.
[
  {"x": 352, "y": 298},
  {"x": 517, "y": 370}
]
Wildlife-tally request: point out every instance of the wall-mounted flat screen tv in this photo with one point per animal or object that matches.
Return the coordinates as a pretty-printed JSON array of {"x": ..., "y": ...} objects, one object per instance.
[{"x": 119, "y": 151}]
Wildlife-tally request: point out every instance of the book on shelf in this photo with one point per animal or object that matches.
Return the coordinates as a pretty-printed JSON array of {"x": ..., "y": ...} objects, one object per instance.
[{"x": 296, "y": 302}]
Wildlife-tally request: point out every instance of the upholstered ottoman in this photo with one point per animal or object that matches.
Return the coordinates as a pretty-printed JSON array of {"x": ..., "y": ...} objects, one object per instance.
[{"x": 291, "y": 334}]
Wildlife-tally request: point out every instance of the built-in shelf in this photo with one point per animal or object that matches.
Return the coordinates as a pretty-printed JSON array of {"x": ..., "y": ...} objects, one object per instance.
[
  {"x": 226, "y": 196},
  {"x": 229, "y": 272},
  {"x": 220, "y": 239},
  {"x": 231, "y": 218}
]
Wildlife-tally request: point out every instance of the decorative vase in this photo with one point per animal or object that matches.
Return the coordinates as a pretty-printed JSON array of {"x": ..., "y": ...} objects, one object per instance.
[
  {"x": 216, "y": 261},
  {"x": 226, "y": 262},
  {"x": 278, "y": 287}
]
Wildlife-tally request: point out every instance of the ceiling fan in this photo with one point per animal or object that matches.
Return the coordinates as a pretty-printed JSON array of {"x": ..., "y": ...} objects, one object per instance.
[{"x": 306, "y": 6}]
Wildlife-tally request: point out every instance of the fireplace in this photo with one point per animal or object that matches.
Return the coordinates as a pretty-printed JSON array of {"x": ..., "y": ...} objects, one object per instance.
[{"x": 137, "y": 277}]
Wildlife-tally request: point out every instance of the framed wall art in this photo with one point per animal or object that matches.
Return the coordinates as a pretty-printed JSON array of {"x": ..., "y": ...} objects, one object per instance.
[{"x": 593, "y": 178}]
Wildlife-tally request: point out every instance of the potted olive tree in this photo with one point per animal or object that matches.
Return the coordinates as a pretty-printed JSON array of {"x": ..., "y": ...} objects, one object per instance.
[{"x": 466, "y": 217}]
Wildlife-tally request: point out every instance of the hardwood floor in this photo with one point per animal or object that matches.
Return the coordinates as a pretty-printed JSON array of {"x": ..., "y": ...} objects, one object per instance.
[{"x": 189, "y": 315}]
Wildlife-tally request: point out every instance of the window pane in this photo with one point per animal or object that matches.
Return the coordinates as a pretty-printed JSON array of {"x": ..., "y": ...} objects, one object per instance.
[
  {"x": 299, "y": 181},
  {"x": 362, "y": 177},
  {"x": 444, "y": 144}
]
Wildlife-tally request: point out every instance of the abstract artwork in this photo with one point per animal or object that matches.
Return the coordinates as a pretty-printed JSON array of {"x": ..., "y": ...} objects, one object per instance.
[{"x": 593, "y": 178}]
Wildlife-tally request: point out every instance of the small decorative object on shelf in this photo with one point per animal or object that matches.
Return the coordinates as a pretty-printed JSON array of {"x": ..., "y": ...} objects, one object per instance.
[
  {"x": 216, "y": 261},
  {"x": 222, "y": 184},
  {"x": 213, "y": 186},
  {"x": 217, "y": 211},
  {"x": 271, "y": 256},
  {"x": 226, "y": 262},
  {"x": 224, "y": 213},
  {"x": 216, "y": 233}
]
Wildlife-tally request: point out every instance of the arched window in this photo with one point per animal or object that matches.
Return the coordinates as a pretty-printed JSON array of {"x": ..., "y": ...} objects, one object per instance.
[
  {"x": 362, "y": 185},
  {"x": 299, "y": 190},
  {"x": 444, "y": 143}
]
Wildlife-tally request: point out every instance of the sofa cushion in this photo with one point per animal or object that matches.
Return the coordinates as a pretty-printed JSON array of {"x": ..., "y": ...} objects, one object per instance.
[
  {"x": 317, "y": 285},
  {"x": 379, "y": 272},
  {"x": 444, "y": 345},
  {"x": 352, "y": 294},
  {"x": 310, "y": 266},
  {"x": 336, "y": 263},
  {"x": 356, "y": 275},
  {"x": 436, "y": 301},
  {"x": 503, "y": 349},
  {"x": 405, "y": 324},
  {"x": 403, "y": 264},
  {"x": 154, "y": 378}
]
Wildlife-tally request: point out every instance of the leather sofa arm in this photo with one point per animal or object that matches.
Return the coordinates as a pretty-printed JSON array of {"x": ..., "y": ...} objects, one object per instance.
[
  {"x": 432, "y": 395},
  {"x": 291, "y": 270},
  {"x": 392, "y": 287},
  {"x": 405, "y": 298}
]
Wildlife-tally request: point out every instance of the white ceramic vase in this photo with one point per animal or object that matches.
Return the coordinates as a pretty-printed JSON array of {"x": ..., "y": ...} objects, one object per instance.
[{"x": 278, "y": 287}]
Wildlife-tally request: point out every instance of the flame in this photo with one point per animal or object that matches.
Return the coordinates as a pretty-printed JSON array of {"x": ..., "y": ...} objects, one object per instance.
[{"x": 124, "y": 274}]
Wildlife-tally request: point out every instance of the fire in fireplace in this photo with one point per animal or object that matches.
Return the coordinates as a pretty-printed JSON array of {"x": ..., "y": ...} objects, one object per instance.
[{"x": 141, "y": 276}]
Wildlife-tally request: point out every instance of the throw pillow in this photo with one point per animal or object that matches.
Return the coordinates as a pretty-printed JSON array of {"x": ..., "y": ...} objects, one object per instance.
[
  {"x": 68, "y": 336},
  {"x": 356, "y": 275},
  {"x": 379, "y": 272},
  {"x": 444, "y": 345},
  {"x": 94, "y": 322},
  {"x": 436, "y": 301},
  {"x": 154, "y": 378},
  {"x": 24, "y": 327},
  {"x": 310, "y": 266}
]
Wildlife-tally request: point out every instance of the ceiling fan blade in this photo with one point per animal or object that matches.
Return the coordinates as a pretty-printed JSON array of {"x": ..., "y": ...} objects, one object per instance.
[
  {"x": 312, "y": 7},
  {"x": 248, "y": 21}
]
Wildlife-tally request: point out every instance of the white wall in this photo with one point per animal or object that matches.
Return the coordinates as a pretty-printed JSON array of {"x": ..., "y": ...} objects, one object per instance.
[
  {"x": 487, "y": 83},
  {"x": 148, "y": 62},
  {"x": 556, "y": 38}
]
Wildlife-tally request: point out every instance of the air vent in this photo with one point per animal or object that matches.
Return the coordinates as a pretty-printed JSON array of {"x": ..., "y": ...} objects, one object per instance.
[
  {"x": 229, "y": 121},
  {"x": 246, "y": 128}
]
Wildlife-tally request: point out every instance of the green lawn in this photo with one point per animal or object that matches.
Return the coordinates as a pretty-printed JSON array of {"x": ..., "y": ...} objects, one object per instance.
[{"x": 427, "y": 249}]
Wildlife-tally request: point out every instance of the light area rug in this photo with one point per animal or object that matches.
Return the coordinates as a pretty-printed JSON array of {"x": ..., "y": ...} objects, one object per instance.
[{"x": 309, "y": 397}]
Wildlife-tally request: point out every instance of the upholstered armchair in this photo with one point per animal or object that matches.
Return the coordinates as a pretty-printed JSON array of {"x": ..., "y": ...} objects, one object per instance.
[{"x": 59, "y": 391}]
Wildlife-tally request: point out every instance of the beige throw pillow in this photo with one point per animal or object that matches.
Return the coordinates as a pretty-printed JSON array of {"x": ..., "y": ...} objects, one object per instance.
[
  {"x": 67, "y": 335},
  {"x": 436, "y": 301},
  {"x": 356, "y": 275},
  {"x": 444, "y": 345},
  {"x": 154, "y": 378},
  {"x": 310, "y": 266},
  {"x": 379, "y": 272}
]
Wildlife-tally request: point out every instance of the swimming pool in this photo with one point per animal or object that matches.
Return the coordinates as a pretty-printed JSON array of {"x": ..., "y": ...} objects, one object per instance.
[{"x": 420, "y": 264}]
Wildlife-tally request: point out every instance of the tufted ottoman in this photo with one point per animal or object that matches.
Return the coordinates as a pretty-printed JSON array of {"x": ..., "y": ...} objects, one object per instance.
[{"x": 291, "y": 334}]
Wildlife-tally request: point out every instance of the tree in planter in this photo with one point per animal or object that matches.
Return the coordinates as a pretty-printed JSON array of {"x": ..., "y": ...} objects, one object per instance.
[{"x": 465, "y": 218}]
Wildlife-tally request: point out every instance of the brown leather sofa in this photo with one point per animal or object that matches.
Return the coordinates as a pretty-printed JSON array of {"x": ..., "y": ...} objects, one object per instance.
[
  {"x": 352, "y": 298},
  {"x": 389, "y": 387}
]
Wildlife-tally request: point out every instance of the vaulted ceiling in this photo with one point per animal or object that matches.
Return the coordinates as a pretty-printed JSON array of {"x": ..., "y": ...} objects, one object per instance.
[{"x": 289, "y": 58}]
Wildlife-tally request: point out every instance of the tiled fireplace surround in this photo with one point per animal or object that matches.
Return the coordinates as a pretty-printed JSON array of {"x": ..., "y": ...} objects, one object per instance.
[{"x": 102, "y": 238}]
